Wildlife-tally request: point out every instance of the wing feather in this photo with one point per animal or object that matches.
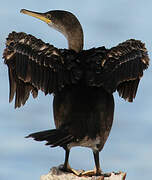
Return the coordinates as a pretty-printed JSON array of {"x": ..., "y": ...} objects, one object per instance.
[
  {"x": 130, "y": 60},
  {"x": 34, "y": 65},
  {"x": 12, "y": 83},
  {"x": 121, "y": 68}
]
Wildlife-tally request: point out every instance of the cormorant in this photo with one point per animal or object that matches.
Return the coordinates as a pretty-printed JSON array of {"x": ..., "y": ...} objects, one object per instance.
[{"x": 82, "y": 82}]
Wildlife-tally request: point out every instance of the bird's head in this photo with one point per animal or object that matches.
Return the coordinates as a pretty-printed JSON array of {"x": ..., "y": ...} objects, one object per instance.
[{"x": 64, "y": 22}]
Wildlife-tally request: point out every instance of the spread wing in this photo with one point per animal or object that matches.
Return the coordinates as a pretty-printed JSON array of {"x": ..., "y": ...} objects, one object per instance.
[
  {"x": 119, "y": 68},
  {"x": 34, "y": 65}
]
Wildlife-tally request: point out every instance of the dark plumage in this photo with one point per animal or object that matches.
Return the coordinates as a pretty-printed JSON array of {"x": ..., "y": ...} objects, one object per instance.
[{"x": 82, "y": 82}]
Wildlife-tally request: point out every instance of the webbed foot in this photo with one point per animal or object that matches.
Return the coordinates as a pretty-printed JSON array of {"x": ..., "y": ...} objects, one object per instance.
[
  {"x": 93, "y": 172},
  {"x": 70, "y": 170}
]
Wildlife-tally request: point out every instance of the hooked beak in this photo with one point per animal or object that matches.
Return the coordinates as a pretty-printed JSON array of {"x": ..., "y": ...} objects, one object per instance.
[{"x": 37, "y": 15}]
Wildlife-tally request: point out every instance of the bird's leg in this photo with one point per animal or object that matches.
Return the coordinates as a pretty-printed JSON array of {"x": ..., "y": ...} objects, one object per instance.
[
  {"x": 66, "y": 167},
  {"x": 66, "y": 162},
  {"x": 97, "y": 171},
  {"x": 97, "y": 162}
]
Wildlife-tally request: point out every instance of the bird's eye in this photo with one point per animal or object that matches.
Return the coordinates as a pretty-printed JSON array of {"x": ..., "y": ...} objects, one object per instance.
[{"x": 48, "y": 16}]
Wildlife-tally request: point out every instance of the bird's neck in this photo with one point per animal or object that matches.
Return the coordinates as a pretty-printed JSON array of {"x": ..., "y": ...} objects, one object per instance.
[
  {"x": 73, "y": 32},
  {"x": 75, "y": 40}
]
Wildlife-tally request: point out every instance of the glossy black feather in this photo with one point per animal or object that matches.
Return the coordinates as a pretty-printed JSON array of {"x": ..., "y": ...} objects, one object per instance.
[{"x": 54, "y": 137}]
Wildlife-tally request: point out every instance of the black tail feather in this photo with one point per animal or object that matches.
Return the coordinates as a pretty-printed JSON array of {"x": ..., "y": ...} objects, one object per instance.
[
  {"x": 63, "y": 142},
  {"x": 54, "y": 137}
]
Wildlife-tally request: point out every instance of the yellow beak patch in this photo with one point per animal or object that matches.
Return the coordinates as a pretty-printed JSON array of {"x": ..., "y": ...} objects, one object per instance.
[{"x": 36, "y": 15}]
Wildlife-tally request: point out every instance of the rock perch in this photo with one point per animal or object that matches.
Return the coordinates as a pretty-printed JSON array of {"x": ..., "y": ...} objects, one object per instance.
[{"x": 56, "y": 174}]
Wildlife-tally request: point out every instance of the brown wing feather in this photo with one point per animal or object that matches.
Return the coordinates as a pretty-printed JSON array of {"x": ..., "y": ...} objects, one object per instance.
[
  {"x": 128, "y": 89},
  {"x": 119, "y": 68},
  {"x": 129, "y": 60},
  {"x": 34, "y": 65}
]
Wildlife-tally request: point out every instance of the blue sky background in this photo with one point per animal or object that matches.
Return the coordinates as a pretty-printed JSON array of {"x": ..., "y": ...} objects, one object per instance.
[{"x": 129, "y": 146}]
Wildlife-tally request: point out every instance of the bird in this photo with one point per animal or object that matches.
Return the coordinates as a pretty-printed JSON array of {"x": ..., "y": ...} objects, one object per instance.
[{"x": 82, "y": 82}]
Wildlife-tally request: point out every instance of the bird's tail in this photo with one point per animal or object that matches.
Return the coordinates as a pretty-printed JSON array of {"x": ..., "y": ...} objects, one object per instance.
[{"x": 54, "y": 137}]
